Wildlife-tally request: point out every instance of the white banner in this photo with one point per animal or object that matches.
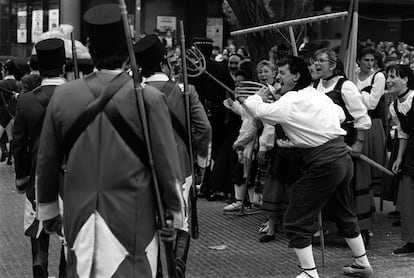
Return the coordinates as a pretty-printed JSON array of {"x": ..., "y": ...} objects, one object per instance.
[
  {"x": 37, "y": 25},
  {"x": 53, "y": 19},
  {"x": 22, "y": 26}
]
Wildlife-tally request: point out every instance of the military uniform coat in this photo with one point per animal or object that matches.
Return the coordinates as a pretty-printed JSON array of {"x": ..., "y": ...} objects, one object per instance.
[
  {"x": 109, "y": 209},
  {"x": 201, "y": 129},
  {"x": 27, "y": 127}
]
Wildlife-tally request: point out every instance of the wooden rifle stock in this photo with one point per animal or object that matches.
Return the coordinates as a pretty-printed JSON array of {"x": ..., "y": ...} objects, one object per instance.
[
  {"x": 74, "y": 56},
  {"x": 193, "y": 190},
  {"x": 141, "y": 109}
]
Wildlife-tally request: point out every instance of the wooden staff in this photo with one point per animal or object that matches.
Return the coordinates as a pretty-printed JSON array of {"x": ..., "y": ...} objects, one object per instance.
[
  {"x": 373, "y": 163},
  {"x": 166, "y": 226},
  {"x": 194, "y": 216},
  {"x": 288, "y": 23}
]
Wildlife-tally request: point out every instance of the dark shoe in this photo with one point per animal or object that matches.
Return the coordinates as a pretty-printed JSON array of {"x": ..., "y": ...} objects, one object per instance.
[
  {"x": 355, "y": 270},
  {"x": 22, "y": 188},
  {"x": 394, "y": 214},
  {"x": 215, "y": 197},
  {"x": 267, "y": 238},
  {"x": 396, "y": 223},
  {"x": 39, "y": 270},
  {"x": 9, "y": 162},
  {"x": 407, "y": 249},
  {"x": 3, "y": 156}
]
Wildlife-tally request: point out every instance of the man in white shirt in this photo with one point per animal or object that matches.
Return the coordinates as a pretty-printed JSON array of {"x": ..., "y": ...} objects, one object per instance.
[{"x": 312, "y": 122}]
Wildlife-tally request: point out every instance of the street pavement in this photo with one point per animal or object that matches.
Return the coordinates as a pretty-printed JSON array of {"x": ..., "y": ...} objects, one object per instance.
[{"x": 242, "y": 254}]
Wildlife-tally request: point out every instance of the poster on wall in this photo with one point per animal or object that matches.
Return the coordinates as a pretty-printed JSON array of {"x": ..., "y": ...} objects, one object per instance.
[
  {"x": 37, "y": 25},
  {"x": 53, "y": 19},
  {"x": 22, "y": 25},
  {"x": 166, "y": 22},
  {"x": 214, "y": 30}
]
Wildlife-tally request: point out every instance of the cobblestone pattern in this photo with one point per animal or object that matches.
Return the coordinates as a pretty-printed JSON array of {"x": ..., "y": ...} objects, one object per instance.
[{"x": 244, "y": 256}]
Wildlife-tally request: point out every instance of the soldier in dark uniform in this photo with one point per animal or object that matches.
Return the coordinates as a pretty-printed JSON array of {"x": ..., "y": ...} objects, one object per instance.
[
  {"x": 30, "y": 113},
  {"x": 150, "y": 54},
  {"x": 93, "y": 124},
  {"x": 225, "y": 125}
]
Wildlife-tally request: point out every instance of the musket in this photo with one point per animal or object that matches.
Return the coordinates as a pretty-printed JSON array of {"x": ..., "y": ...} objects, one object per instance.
[
  {"x": 74, "y": 56},
  {"x": 141, "y": 109},
  {"x": 194, "y": 217}
]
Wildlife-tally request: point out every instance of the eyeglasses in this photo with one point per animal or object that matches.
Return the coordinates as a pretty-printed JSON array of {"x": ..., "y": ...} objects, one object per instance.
[{"x": 320, "y": 60}]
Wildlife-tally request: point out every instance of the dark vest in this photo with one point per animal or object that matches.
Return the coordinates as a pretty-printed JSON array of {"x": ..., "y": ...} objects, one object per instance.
[
  {"x": 407, "y": 125},
  {"x": 336, "y": 96}
]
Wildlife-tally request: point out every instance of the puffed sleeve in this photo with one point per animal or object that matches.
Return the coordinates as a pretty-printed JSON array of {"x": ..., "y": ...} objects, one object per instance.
[
  {"x": 378, "y": 88},
  {"x": 355, "y": 106}
]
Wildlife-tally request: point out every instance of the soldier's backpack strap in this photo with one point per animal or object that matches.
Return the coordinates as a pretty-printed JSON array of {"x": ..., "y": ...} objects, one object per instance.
[
  {"x": 167, "y": 89},
  {"x": 41, "y": 97},
  {"x": 102, "y": 104}
]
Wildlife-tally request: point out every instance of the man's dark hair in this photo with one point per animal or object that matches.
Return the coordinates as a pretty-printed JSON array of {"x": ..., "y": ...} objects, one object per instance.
[
  {"x": 403, "y": 71},
  {"x": 297, "y": 65},
  {"x": 109, "y": 61},
  {"x": 146, "y": 72},
  {"x": 51, "y": 72}
]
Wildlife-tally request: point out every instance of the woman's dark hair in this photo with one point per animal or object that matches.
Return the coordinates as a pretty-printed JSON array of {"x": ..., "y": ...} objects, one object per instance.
[
  {"x": 379, "y": 60},
  {"x": 109, "y": 61},
  {"x": 403, "y": 71},
  {"x": 365, "y": 51},
  {"x": 297, "y": 65}
]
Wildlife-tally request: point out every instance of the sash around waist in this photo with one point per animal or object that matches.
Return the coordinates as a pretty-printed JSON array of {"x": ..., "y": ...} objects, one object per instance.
[{"x": 326, "y": 153}]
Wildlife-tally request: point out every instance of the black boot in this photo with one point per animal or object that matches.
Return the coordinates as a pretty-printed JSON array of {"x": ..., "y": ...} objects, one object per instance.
[
  {"x": 181, "y": 252},
  {"x": 40, "y": 253},
  {"x": 9, "y": 157},
  {"x": 159, "y": 265},
  {"x": 4, "y": 152},
  {"x": 62, "y": 263}
]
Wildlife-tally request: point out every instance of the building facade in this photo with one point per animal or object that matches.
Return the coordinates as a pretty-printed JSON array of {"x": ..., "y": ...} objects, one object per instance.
[{"x": 21, "y": 21}]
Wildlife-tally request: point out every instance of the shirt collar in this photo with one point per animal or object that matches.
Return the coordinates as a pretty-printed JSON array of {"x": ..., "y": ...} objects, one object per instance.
[
  {"x": 116, "y": 71},
  {"x": 56, "y": 81},
  {"x": 159, "y": 76},
  {"x": 9, "y": 77}
]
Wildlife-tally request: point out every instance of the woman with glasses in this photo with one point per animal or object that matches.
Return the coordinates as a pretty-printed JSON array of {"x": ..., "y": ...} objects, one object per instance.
[{"x": 345, "y": 94}]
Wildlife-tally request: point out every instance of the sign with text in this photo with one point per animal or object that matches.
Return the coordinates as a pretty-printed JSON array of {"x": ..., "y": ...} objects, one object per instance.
[
  {"x": 37, "y": 25},
  {"x": 214, "y": 30},
  {"x": 166, "y": 22},
  {"x": 53, "y": 19}
]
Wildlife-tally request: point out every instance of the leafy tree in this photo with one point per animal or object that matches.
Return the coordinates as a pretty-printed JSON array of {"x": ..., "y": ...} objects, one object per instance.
[{"x": 243, "y": 14}]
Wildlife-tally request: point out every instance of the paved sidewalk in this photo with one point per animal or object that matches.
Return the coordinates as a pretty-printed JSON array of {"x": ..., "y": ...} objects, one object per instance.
[{"x": 243, "y": 256}]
